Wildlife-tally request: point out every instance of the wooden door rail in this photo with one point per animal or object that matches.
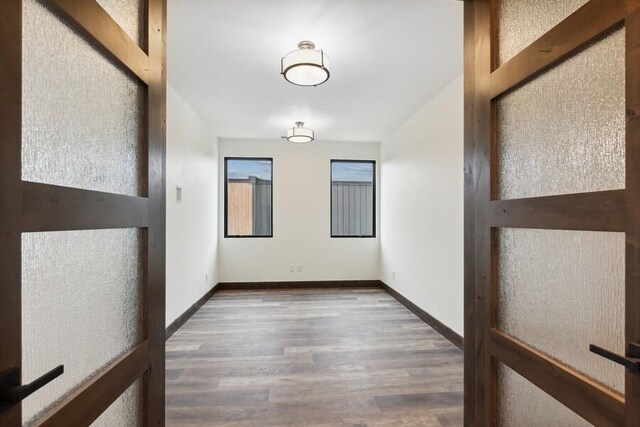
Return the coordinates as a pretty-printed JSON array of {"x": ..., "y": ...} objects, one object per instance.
[
  {"x": 48, "y": 207},
  {"x": 597, "y": 211},
  {"x": 86, "y": 404},
  {"x": 595, "y": 403},
  {"x": 90, "y": 18},
  {"x": 584, "y": 25}
]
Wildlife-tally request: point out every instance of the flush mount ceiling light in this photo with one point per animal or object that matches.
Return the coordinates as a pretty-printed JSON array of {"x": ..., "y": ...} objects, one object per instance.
[
  {"x": 299, "y": 134},
  {"x": 306, "y": 66}
]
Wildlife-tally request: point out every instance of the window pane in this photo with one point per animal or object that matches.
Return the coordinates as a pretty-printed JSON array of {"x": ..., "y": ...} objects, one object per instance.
[
  {"x": 126, "y": 411},
  {"x": 521, "y": 22},
  {"x": 352, "y": 198},
  {"x": 571, "y": 283},
  {"x": 129, "y": 14},
  {"x": 564, "y": 132},
  {"x": 81, "y": 307},
  {"x": 519, "y": 399},
  {"x": 248, "y": 196},
  {"x": 83, "y": 115}
]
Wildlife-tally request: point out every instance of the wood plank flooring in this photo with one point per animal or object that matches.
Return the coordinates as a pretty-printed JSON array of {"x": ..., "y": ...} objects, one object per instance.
[{"x": 311, "y": 357}]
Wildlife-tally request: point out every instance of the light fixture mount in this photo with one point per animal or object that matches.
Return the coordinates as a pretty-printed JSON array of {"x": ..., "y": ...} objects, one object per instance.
[
  {"x": 299, "y": 134},
  {"x": 306, "y": 44},
  {"x": 306, "y": 66}
]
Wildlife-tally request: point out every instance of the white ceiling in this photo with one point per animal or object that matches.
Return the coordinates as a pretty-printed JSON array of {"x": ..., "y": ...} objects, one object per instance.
[{"x": 387, "y": 57}]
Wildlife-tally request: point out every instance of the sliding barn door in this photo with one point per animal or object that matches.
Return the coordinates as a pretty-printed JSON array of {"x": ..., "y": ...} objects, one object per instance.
[
  {"x": 553, "y": 212},
  {"x": 82, "y": 216}
]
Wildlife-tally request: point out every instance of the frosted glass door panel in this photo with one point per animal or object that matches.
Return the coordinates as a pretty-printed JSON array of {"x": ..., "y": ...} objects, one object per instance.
[
  {"x": 521, "y": 22},
  {"x": 522, "y": 404},
  {"x": 81, "y": 306},
  {"x": 129, "y": 14},
  {"x": 559, "y": 291},
  {"x": 126, "y": 411},
  {"x": 564, "y": 131},
  {"x": 82, "y": 115}
]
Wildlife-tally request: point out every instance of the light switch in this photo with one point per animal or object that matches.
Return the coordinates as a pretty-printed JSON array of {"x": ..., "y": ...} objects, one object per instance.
[{"x": 178, "y": 194}]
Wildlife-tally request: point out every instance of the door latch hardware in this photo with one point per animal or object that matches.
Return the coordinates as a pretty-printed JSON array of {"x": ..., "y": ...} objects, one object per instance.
[
  {"x": 632, "y": 363},
  {"x": 11, "y": 393}
]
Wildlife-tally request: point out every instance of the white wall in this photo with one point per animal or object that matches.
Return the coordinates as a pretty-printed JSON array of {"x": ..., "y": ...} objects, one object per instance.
[
  {"x": 301, "y": 217},
  {"x": 192, "y": 226},
  {"x": 422, "y": 186}
]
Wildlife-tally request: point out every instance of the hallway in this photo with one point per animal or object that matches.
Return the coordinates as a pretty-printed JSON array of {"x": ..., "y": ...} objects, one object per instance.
[
  {"x": 330, "y": 357},
  {"x": 350, "y": 213}
]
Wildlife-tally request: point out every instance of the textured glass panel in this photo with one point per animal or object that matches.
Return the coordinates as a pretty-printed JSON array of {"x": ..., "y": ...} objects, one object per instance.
[
  {"x": 126, "y": 411},
  {"x": 559, "y": 291},
  {"x": 564, "y": 132},
  {"x": 522, "y": 404},
  {"x": 129, "y": 14},
  {"x": 82, "y": 115},
  {"x": 521, "y": 22},
  {"x": 81, "y": 296}
]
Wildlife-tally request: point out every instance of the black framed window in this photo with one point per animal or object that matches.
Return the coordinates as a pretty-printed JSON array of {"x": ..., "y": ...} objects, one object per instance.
[
  {"x": 353, "y": 198},
  {"x": 248, "y": 197}
]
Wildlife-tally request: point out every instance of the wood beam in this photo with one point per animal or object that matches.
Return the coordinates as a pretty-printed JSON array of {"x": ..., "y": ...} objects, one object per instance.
[
  {"x": 587, "y": 23},
  {"x": 91, "y": 19},
  {"x": 632, "y": 154},
  {"x": 86, "y": 404},
  {"x": 10, "y": 194},
  {"x": 598, "y": 211},
  {"x": 154, "y": 295},
  {"x": 595, "y": 403},
  {"x": 54, "y": 208}
]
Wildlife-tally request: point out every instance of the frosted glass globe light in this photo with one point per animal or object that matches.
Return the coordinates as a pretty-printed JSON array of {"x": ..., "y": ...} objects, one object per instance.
[
  {"x": 299, "y": 134},
  {"x": 306, "y": 66}
]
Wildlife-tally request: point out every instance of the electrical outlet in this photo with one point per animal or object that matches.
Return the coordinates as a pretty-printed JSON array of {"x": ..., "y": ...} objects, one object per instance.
[
  {"x": 299, "y": 268},
  {"x": 178, "y": 194},
  {"x": 292, "y": 268}
]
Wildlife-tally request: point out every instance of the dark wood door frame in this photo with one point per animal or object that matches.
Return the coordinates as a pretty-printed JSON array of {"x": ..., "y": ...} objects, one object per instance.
[
  {"x": 27, "y": 207},
  {"x": 617, "y": 210}
]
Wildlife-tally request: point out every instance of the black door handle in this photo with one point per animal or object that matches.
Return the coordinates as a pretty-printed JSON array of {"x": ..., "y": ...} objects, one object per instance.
[
  {"x": 632, "y": 362},
  {"x": 11, "y": 393}
]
